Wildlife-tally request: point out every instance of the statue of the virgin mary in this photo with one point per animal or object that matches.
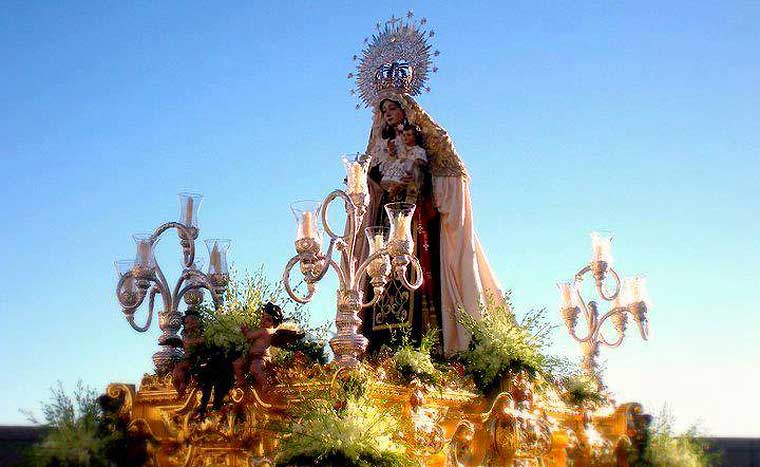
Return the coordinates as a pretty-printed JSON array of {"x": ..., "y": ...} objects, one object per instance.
[{"x": 414, "y": 160}]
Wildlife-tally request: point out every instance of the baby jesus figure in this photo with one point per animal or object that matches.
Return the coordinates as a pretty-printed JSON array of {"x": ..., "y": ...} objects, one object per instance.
[
  {"x": 402, "y": 168},
  {"x": 259, "y": 341}
]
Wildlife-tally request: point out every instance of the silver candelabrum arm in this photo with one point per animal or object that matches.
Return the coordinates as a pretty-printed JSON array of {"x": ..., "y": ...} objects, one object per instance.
[
  {"x": 389, "y": 260},
  {"x": 145, "y": 279},
  {"x": 626, "y": 297}
]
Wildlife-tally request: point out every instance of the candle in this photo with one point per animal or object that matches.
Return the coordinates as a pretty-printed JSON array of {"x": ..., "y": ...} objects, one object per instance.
[
  {"x": 356, "y": 178},
  {"x": 189, "y": 211},
  {"x": 601, "y": 246},
  {"x": 308, "y": 227},
  {"x": 400, "y": 215},
  {"x": 124, "y": 267},
  {"x": 402, "y": 227},
  {"x": 356, "y": 173},
  {"x": 352, "y": 182},
  {"x": 189, "y": 203},
  {"x": 638, "y": 289},
  {"x": 217, "y": 255},
  {"x": 598, "y": 253},
  {"x": 376, "y": 238},
  {"x": 635, "y": 290},
  {"x": 215, "y": 260},
  {"x": 144, "y": 253},
  {"x": 306, "y": 214},
  {"x": 378, "y": 242},
  {"x": 566, "y": 292}
]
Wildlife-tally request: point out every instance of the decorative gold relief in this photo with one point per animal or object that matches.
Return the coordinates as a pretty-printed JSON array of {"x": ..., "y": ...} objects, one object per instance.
[{"x": 452, "y": 428}]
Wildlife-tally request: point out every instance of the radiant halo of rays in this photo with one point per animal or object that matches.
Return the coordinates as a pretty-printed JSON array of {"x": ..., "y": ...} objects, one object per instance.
[{"x": 396, "y": 59}]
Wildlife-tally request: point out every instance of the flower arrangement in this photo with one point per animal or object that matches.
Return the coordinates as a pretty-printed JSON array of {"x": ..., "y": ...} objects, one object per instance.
[
  {"x": 346, "y": 429},
  {"x": 415, "y": 362},
  {"x": 582, "y": 391},
  {"x": 243, "y": 299},
  {"x": 501, "y": 345},
  {"x": 360, "y": 435}
]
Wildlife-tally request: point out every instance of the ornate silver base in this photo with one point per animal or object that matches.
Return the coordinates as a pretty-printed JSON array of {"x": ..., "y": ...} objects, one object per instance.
[
  {"x": 349, "y": 345},
  {"x": 348, "y": 349}
]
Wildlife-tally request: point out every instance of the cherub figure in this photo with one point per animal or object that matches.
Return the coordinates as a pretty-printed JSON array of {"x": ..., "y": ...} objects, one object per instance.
[{"x": 259, "y": 340}]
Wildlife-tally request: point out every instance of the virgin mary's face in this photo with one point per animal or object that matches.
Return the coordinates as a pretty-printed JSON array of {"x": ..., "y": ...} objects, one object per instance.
[{"x": 393, "y": 114}]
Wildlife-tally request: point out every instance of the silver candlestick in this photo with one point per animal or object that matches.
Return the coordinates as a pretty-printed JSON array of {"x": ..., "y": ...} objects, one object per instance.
[
  {"x": 391, "y": 253},
  {"x": 143, "y": 277},
  {"x": 628, "y": 296}
]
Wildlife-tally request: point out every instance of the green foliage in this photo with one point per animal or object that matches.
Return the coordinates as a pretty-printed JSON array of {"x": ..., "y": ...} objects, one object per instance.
[
  {"x": 411, "y": 362},
  {"x": 359, "y": 435},
  {"x": 341, "y": 460},
  {"x": 219, "y": 339},
  {"x": 223, "y": 330},
  {"x": 243, "y": 300},
  {"x": 342, "y": 426},
  {"x": 501, "y": 344},
  {"x": 242, "y": 306},
  {"x": 74, "y": 438},
  {"x": 666, "y": 449},
  {"x": 312, "y": 348},
  {"x": 353, "y": 386},
  {"x": 85, "y": 430},
  {"x": 582, "y": 390}
]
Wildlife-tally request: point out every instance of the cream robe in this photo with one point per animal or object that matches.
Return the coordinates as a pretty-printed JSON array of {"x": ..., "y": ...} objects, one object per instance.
[{"x": 466, "y": 275}]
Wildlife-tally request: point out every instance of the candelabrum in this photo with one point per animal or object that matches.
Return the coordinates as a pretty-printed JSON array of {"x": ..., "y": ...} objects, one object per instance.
[
  {"x": 628, "y": 296},
  {"x": 391, "y": 255},
  {"x": 142, "y": 277}
]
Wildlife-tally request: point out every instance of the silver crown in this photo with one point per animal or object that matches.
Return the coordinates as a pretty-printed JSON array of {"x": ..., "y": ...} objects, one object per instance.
[{"x": 396, "y": 60}]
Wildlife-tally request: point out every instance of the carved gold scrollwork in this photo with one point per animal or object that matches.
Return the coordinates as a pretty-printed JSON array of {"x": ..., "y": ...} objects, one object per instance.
[
  {"x": 451, "y": 429},
  {"x": 125, "y": 393},
  {"x": 156, "y": 383},
  {"x": 460, "y": 447},
  {"x": 517, "y": 436},
  {"x": 205, "y": 458},
  {"x": 428, "y": 434}
]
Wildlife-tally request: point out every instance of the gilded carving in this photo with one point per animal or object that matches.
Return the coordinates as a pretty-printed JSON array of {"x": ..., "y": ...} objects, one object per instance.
[{"x": 450, "y": 428}]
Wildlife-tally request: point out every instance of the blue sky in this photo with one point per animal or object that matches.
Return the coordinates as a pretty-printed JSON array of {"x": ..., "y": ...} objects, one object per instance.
[{"x": 637, "y": 117}]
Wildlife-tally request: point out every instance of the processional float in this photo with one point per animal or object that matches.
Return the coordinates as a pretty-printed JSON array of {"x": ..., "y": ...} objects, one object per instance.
[{"x": 447, "y": 426}]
